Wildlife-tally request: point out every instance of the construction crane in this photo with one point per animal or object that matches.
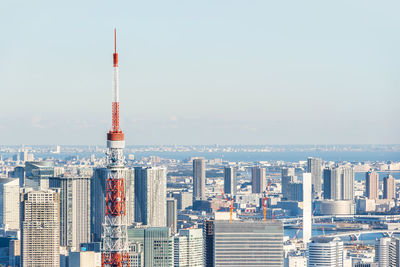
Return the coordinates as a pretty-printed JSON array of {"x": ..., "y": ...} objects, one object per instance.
[
  {"x": 231, "y": 204},
  {"x": 265, "y": 201}
]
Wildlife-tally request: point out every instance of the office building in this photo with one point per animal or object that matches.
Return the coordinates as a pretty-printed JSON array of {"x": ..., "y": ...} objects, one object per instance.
[
  {"x": 314, "y": 166},
  {"x": 9, "y": 203},
  {"x": 296, "y": 192},
  {"x": 325, "y": 251},
  {"x": 37, "y": 174},
  {"x": 136, "y": 255},
  {"x": 339, "y": 183},
  {"x": 150, "y": 196},
  {"x": 372, "y": 185},
  {"x": 158, "y": 245},
  {"x": 208, "y": 235},
  {"x": 185, "y": 200},
  {"x": 382, "y": 247},
  {"x": 307, "y": 207},
  {"x": 230, "y": 180},
  {"x": 98, "y": 188},
  {"x": 40, "y": 229},
  {"x": 247, "y": 243},
  {"x": 172, "y": 215},
  {"x": 394, "y": 252},
  {"x": 258, "y": 180},
  {"x": 14, "y": 256},
  {"x": 389, "y": 187},
  {"x": 74, "y": 210},
  {"x": 199, "y": 179},
  {"x": 19, "y": 173},
  {"x": 188, "y": 248}
]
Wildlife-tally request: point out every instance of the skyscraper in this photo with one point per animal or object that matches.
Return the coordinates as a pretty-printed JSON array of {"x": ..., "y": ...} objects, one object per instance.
[
  {"x": 9, "y": 203},
  {"x": 307, "y": 207},
  {"x": 258, "y": 180},
  {"x": 150, "y": 196},
  {"x": 172, "y": 216},
  {"x": 394, "y": 252},
  {"x": 371, "y": 185},
  {"x": 314, "y": 166},
  {"x": 339, "y": 183},
  {"x": 40, "y": 229},
  {"x": 74, "y": 210},
  {"x": 325, "y": 251},
  {"x": 389, "y": 187},
  {"x": 188, "y": 248},
  {"x": 208, "y": 235},
  {"x": 288, "y": 178},
  {"x": 382, "y": 251},
  {"x": 230, "y": 180},
  {"x": 199, "y": 179},
  {"x": 248, "y": 243}
]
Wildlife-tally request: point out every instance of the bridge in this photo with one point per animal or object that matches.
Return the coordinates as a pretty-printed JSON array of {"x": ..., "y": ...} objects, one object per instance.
[
  {"x": 393, "y": 217},
  {"x": 359, "y": 233}
]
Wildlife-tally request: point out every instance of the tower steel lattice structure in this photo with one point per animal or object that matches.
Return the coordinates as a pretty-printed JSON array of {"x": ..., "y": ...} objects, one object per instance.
[{"x": 115, "y": 247}]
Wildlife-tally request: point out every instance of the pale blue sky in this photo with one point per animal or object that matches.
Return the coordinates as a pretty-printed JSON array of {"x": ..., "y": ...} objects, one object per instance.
[{"x": 201, "y": 72}]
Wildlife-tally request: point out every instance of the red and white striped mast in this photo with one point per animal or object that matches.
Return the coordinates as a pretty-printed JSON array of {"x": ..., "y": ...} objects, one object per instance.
[{"x": 115, "y": 247}]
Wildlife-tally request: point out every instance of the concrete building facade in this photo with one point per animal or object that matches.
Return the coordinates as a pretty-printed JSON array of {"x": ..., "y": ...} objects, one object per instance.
[
  {"x": 389, "y": 187},
  {"x": 40, "y": 229},
  {"x": 314, "y": 166},
  {"x": 258, "y": 180},
  {"x": 372, "y": 185},
  {"x": 199, "y": 179},
  {"x": 230, "y": 180}
]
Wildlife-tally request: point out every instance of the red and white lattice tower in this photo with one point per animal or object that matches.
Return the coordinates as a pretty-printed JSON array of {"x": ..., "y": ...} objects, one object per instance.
[{"x": 115, "y": 248}]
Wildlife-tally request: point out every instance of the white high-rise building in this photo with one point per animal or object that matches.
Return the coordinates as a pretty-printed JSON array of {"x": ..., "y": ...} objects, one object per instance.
[
  {"x": 382, "y": 251},
  {"x": 150, "y": 196},
  {"x": 307, "y": 207},
  {"x": 188, "y": 248},
  {"x": 325, "y": 251},
  {"x": 74, "y": 210},
  {"x": 9, "y": 203},
  {"x": 40, "y": 229}
]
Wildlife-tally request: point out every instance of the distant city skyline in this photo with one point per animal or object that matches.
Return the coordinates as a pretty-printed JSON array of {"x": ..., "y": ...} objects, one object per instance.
[{"x": 225, "y": 72}]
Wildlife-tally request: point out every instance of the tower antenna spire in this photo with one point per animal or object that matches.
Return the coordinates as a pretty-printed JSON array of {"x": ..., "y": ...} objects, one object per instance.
[
  {"x": 115, "y": 40},
  {"x": 115, "y": 246}
]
